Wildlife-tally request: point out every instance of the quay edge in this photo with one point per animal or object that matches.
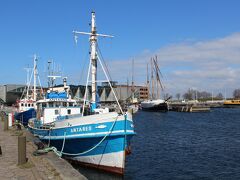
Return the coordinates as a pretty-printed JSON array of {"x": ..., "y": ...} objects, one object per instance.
[{"x": 47, "y": 166}]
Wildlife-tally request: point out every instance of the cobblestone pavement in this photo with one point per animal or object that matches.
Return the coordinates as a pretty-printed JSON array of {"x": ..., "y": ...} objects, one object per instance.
[{"x": 38, "y": 167}]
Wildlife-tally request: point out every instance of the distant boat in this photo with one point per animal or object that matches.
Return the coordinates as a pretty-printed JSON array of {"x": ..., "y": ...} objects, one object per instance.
[
  {"x": 26, "y": 107},
  {"x": 24, "y": 115},
  {"x": 154, "y": 103},
  {"x": 232, "y": 103},
  {"x": 100, "y": 139}
]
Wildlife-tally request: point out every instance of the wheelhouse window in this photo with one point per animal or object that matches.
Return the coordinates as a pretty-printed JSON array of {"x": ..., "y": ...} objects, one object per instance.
[
  {"x": 57, "y": 104},
  {"x": 44, "y": 105},
  {"x": 50, "y": 104},
  {"x": 70, "y": 104}
]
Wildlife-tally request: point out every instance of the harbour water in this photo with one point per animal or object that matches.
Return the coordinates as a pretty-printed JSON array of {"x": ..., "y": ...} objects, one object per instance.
[{"x": 177, "y": 145}]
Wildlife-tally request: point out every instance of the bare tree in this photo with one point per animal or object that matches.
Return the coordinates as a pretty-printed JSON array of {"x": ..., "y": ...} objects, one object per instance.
[
  {"x": 193, "y": 94},
  {"x": 236, "y": 94},
  {"x": 204, "y": 95},
  {"x": 219, "y": 96},
  {"x": 189, "y": 95},
  {"x": 178, "y": 95}
]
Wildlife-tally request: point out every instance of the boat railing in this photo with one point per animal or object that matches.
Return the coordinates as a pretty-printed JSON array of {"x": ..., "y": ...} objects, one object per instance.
[
  {"x": 61, "y": 118},
  {"x": 39, "y": 125}
]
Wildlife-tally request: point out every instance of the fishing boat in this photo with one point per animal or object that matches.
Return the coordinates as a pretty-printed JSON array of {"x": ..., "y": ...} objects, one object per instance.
[
  {"x": 26, "y": 106},
  {"x": 154, "y": 103},
  {"x": 100, "y": 138}
]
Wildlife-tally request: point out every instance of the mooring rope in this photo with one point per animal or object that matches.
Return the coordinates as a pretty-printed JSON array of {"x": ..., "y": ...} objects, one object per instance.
[{"x": 60, "y": 153}]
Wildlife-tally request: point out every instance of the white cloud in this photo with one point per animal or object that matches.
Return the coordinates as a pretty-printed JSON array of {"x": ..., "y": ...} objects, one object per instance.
[{"x": 212, "y": 65}]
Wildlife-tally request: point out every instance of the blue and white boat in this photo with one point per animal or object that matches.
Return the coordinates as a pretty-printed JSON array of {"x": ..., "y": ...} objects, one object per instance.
[
  {"x": 26, "y": 107},
  {"x": 101, "y": 139},
  {"x": 25, "y": 112}
]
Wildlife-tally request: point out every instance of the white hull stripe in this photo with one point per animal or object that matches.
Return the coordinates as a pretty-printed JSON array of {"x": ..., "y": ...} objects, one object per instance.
[{"x": 86, "y": 134}]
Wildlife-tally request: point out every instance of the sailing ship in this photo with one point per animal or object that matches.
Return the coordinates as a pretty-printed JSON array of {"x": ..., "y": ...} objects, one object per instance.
[
  {"x": 155, "y": 103},
  {"x": 100, "y": 139},
  {"x": 26, "y": 106}
]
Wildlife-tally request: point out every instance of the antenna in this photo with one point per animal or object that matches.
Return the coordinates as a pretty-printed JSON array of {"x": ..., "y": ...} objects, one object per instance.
[
  {"x": 49, "y": 72},
  {"x": 35, "y": 78},
  {"x": 53, "y": 78}
]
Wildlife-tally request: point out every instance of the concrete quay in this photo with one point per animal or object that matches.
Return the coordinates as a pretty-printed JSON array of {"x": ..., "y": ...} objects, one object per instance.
[{"x": 47, "y": 166}]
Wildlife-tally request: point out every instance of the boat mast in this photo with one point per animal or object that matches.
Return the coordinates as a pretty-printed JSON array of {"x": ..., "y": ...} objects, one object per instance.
[
  {"x": 35, "y": 78},
  {"x": 93, "y": 58},
  {"x": 93, "y": 41},
  {"x": 132, "y": 80},
  {"x": 28, "y": 80},
  {"x": 152, "y": 78},
  {"x": 148, "y": 87},
  {"x": 157, "y": 78}
]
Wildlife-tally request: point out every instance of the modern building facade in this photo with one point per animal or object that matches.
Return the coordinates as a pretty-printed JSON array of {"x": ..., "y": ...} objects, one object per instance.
[{"x": 9, "y": 93}]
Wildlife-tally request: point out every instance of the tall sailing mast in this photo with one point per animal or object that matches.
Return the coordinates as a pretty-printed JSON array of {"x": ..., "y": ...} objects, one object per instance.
[
  {"x": 148, "y": 85},
  {"x": 152, "y": 78},
  {"x": 158, "y": 74},
  {"x": 93, "y": 58},
  {"x": 157, "y": 77}
]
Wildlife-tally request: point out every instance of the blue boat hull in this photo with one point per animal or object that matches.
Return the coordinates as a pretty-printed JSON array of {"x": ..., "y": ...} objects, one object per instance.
[
  {"x": 24, "y": 116},
  {"x": 92, "y": 147}
]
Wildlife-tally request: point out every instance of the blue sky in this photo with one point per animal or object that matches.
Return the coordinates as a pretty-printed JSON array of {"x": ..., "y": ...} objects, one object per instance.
[{"x": 184, "y": 34}]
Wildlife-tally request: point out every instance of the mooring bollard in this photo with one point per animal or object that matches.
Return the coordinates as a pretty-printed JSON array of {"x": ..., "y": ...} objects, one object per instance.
[
  {"x": 22, "y": 159},
  {"x": 0, "y": 151},
  {"x": 5, "y": 123},
  {"x": 10, "y": 121}
]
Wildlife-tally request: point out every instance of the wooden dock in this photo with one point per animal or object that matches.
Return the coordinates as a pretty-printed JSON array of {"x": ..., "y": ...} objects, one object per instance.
[{"x": 189, "y": 107}]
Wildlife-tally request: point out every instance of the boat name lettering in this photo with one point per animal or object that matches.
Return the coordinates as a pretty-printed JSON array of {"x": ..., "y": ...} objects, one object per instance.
[
  {"x": 81, "y": 129},
  {"x": 57, "y": 99}
]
